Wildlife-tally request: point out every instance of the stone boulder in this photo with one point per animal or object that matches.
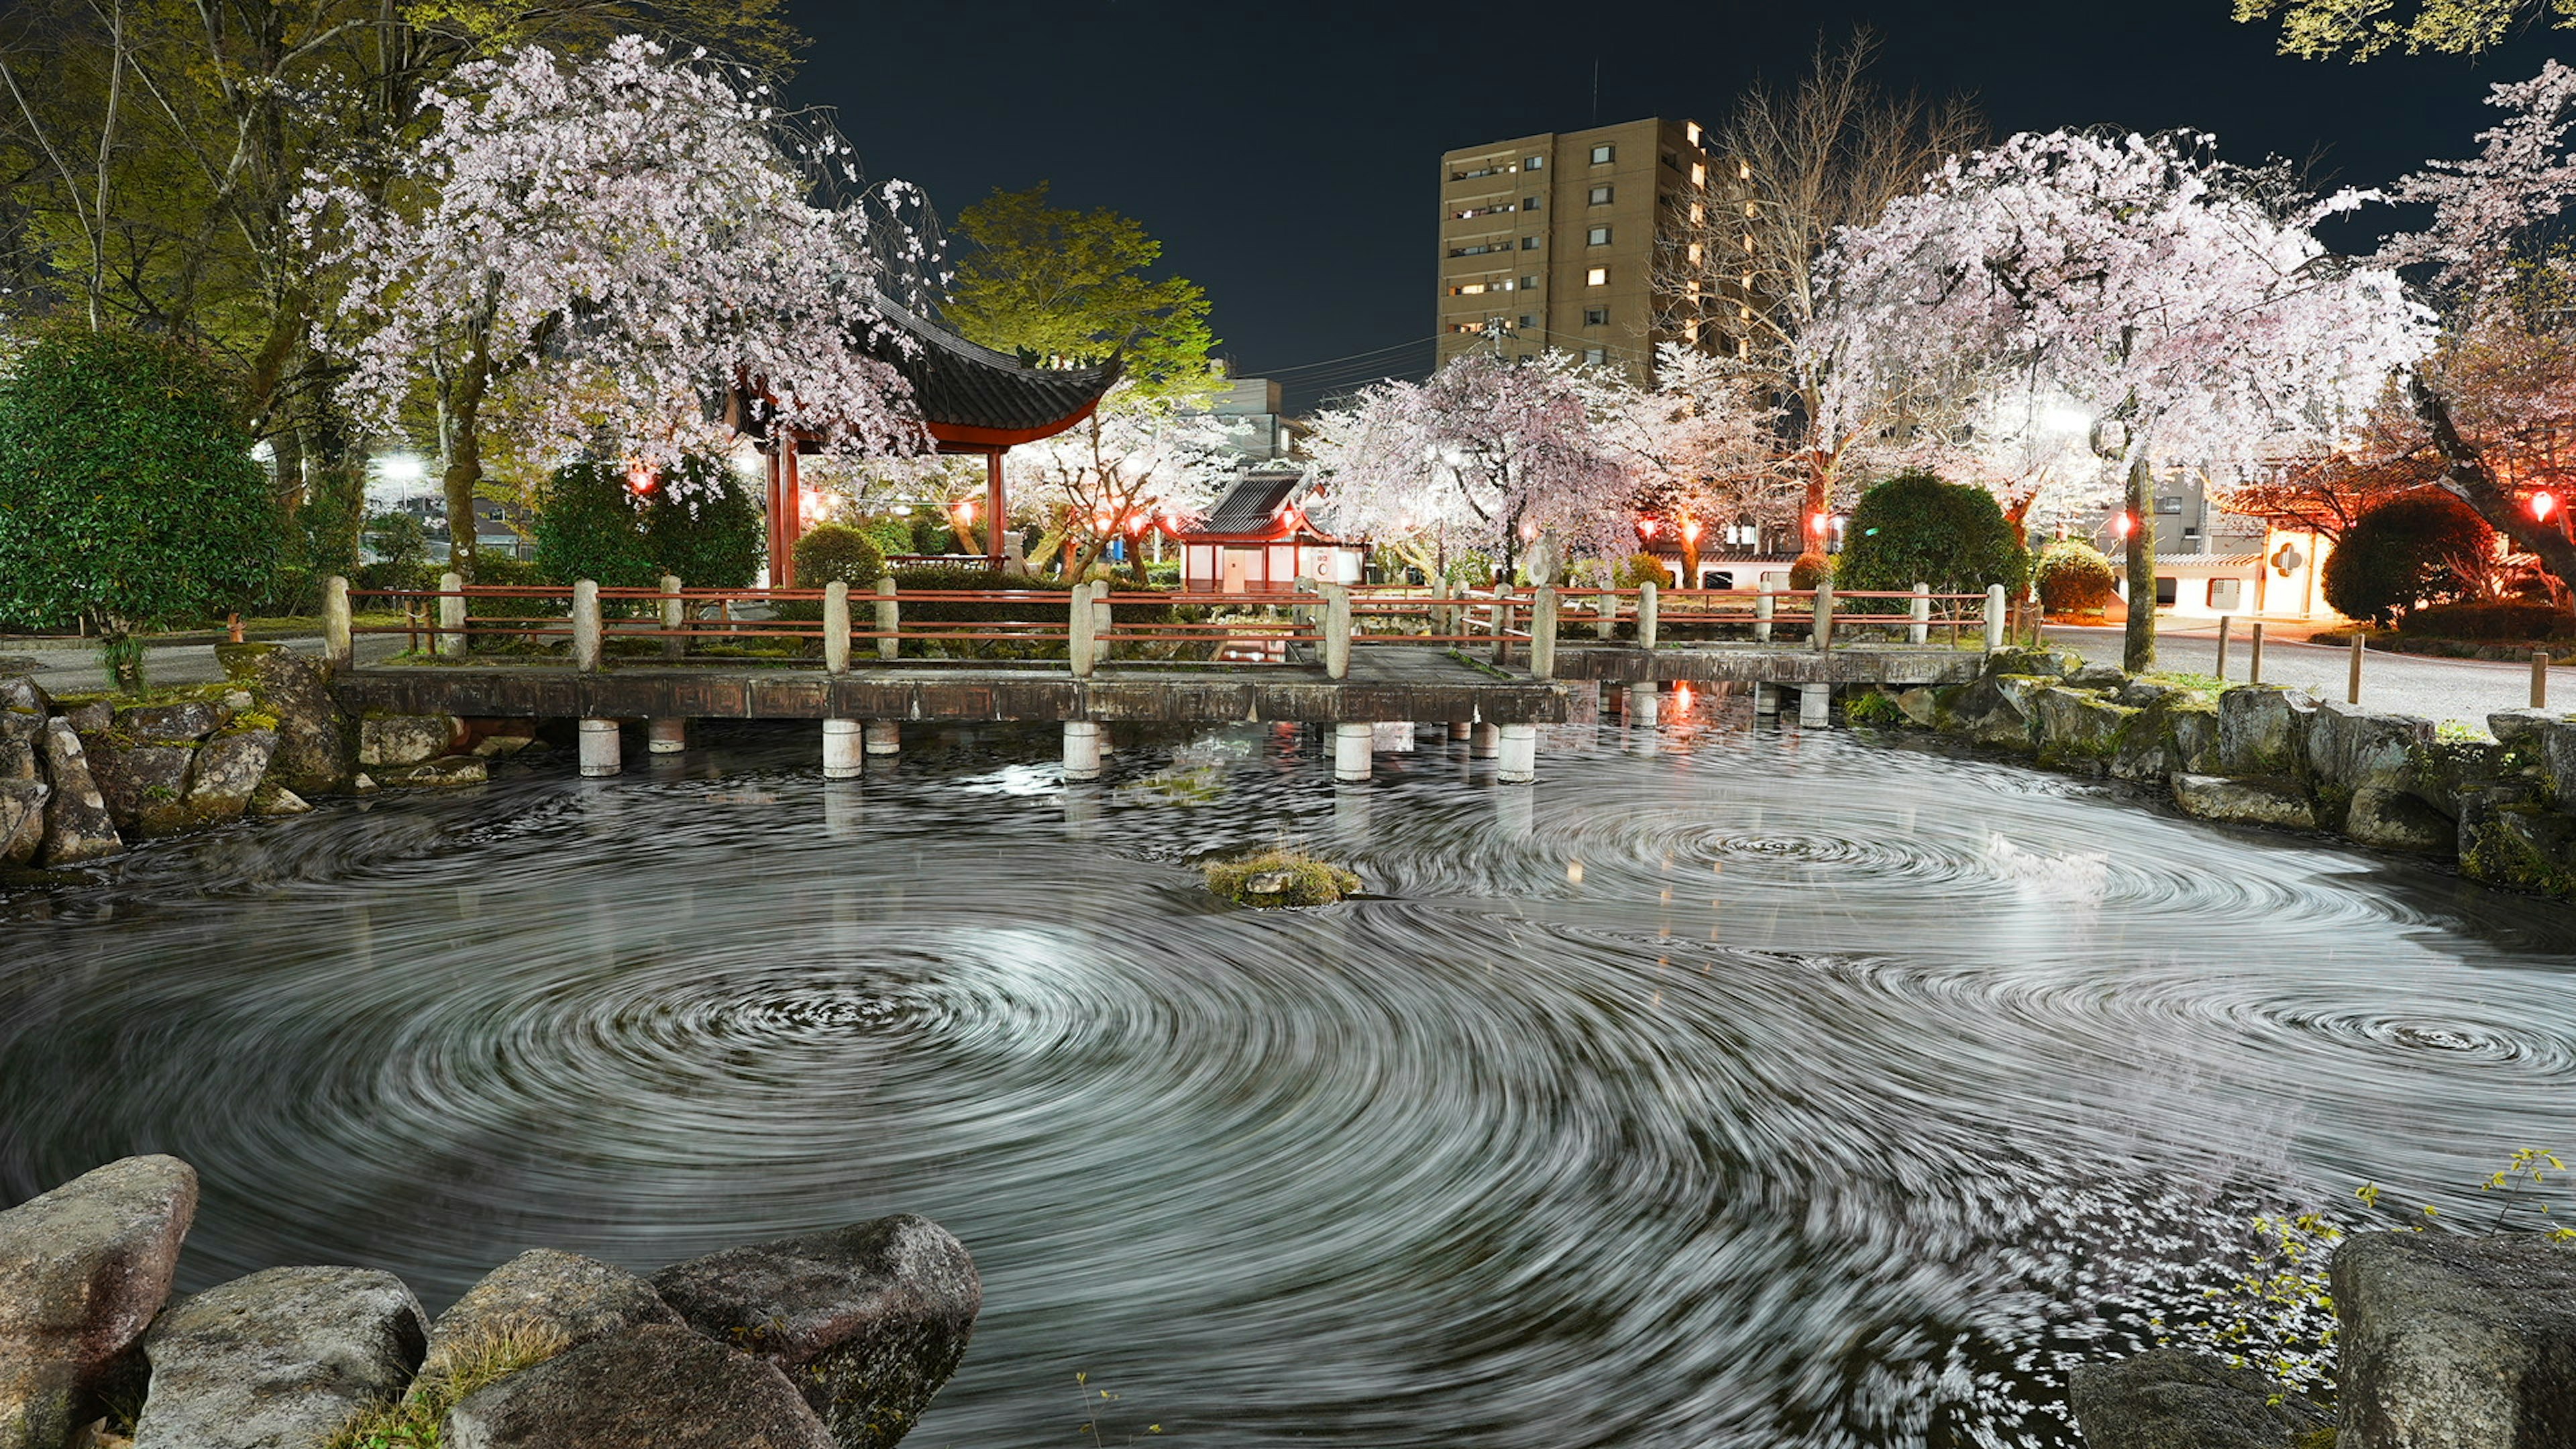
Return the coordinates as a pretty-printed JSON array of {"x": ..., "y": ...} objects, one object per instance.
[
  {"x": 18, "y": 759},
  {"x": 228, "y": 773},
  {"x": 22, "y": 820},
  {"x": 169, "y": 724},
  {"x": 2509, "y": 838},
  {"x": 2078, "y": 726},
  {"x": 2098, "y": 676},
  {"x": 278, "y": 1359},
  {"x": 316, "y": 745},
  {"x": 2243, "y": 802},
  {"x": 23, "y": 707},
  {"x": 2547, "y": 740},
  {"x": 445, "y": 772},
  {"x": 1995, "y": 709},
  {"x": 2052, "y": 664},
  {"x": 90, "y": 717},
  {"x": 273, "y": 801},
  {"x": 564, "y": 1293},
  {"x": 145, "y": 786},
  {"x": 2445, "y": 769},
  {"x": 2396, "y": 820},
  {"x": 77, "y": 827},
  {"x": 2171, "y": 1398},
  {"x": 2451, "y": 1341},
  {"x": 82, "y": 1270},
  {"x": 2259, "y": 731},
  {"x": 867, "y": 1321},
  {"x": 2351, "y": 749},
  {"x": 2140, "y": 693},
  {"x": 647, "y": 1384},
  {"x": 390, "y": 741},
  {"x": 1920, "y": 706}
]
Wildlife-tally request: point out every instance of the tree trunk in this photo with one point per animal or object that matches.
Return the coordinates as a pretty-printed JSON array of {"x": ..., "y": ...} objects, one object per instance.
[
  {"x": 460, "y": 445},
  {"x": 2466, "y": 476},
  {"x": 2138, "y": 651}
]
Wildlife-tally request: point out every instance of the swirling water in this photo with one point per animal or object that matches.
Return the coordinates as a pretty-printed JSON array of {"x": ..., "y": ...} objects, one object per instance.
[{"x": 1732, "y": 1086}]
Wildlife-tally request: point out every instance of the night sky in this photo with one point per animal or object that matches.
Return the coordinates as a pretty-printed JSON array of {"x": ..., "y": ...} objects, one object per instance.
[{"x": 1288, "y": 155}]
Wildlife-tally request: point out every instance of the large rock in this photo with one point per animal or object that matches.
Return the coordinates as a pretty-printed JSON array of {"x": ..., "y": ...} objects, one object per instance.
[
  {"x": 2078, "y": 727},
  {"x": 2547, "y": 740},
  {"x": 23, "y": 707},
  {"x": 2507, "y": 837},
  {"x": 551, "y": 1292},
  {"x": 395, "y": 740},
  {"x": 145, "y": 786},
  {"x": 2351, "y": 749},
  {"x": 649, "y": 1384},
  {"x": 228, "y": 773},
  {"x": 868, "y": 1320},
  {"x": 77, "y": 827},
  {"x": 18, "y": 758},
  {"x": 82, "y": 1270},
  {"x": 2099, "y": 676},
  {"x": 278, "y": 1360},
  {"x": 2170, "y": 1398},
  {"x": 2396, "y": 820},
  {"x": 1991, "y": 710},
  {"x": 22, "y": 820},
  {"x": 2447, "y": 768},
  {"x": 2452, "y": 1341},
  {"x": 1920, "y": 707},
  {"x": 316, "y": 746},
  {"x": 2052, "y": 664},
  {"x": 2258, "y": 730},
  {"x": 445, "y": 772},
  {"x": 2244, "y": 802},
  {"x": 172, "y": 724}
]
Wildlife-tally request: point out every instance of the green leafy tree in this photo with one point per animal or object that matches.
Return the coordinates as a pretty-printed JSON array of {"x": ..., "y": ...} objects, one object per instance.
[
  {"x": 594, "y": 522},
  {"x": 2407, "y": 551},
  {"x": 2076, "y": 578},
  {"x": 1915, "y": 528},
  {"x": 1052, "y": 283},
  {"x": 2361, "y": 29},
  {"x": 128, "y": 495}
]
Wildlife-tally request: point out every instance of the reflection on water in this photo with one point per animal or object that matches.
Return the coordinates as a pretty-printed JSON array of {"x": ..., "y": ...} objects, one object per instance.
[{"x": 1733, "y": 1086}]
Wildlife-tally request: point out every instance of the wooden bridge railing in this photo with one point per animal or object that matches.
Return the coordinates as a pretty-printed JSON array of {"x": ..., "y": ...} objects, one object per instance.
[{"x": 1094, "y": 621}]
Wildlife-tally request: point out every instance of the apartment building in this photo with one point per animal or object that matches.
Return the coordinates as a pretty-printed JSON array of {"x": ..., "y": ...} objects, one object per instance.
[{"x": 1551, "y": 240}]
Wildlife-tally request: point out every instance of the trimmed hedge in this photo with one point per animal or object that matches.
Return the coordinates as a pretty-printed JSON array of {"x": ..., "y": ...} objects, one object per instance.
[
  {"x": 2397, "y": 556},
  {"x": 2506, "y": 619},
  {"x": 699, "y": 523},
  {"x": 2076, "y": 578}
]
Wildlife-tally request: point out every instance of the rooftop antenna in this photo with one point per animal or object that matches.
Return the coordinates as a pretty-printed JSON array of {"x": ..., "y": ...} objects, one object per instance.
[{"x": 1596, "y": 90}]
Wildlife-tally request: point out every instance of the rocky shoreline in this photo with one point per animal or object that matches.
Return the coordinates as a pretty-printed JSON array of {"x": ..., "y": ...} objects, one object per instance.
[
  {"x": 2260, "y": 754},
  {"x": 829, "y": 1340}
]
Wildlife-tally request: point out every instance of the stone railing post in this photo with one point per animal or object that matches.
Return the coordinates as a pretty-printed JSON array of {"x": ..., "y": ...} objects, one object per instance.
[
  {"x": 836, "y": 628},
  {"x": 1994, "y": 617},
  {"x": 1646, "y": 615},
  {"x": 1920, "y": 630},
  {"x": 675, "y": 617},
  {"x": 1822, "y": 631},
  {"x": 339, "y": 649},
  {"x": 1337, "y": 631},
  {"x": 451, "y": 614},
  {"x": 1102, "y": 626},
  {"x": 588, "y": 641},
  {"x": 1079, "y": 626},
  {"x": 1543, "y": 635},
  {"x": 1764, "y": 607},
  {"x": 1605, "y": 615},
  {"x": 1502, "y": 623},
  {"x": 889, "y": 621}
]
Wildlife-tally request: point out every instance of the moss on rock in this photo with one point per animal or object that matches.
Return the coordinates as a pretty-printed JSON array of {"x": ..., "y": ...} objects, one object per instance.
[{"x": 1280, "y": 877}]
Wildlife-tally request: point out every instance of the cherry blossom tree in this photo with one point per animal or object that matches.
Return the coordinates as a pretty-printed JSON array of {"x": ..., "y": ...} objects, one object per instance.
[
  {"x": 591, "y": 249},
  {"x": 1699, "y": 444},
  {"x": 2185, "y": 306},
  {"x": 1487, "y": 454},
  {"x": 1140, "y": 456}
]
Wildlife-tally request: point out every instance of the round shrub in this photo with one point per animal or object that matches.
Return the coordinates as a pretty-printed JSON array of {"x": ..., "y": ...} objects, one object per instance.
[
  {"x": 1915, "y": 528},
  {"x": 1811, "y": 570},
  {"x": 1643, "y": 568},
  {"x": 2397, "y": 556},
  {"x": 128, "y": 495},
  {"x": 837, "y": 553},
  {"x": 2076, "y": 578},
  {"x": 697, "y": 521}
]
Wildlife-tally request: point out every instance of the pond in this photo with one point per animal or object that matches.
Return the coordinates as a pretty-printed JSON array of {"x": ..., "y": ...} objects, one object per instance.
[{"x": 1733, "y": 1085}]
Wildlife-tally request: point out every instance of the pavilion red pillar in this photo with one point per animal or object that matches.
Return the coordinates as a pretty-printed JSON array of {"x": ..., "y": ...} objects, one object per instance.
[
  {"x": 994, "y": 515},
  {"x": 771, "y": 515},
  {"x": 791, "y": 520}
]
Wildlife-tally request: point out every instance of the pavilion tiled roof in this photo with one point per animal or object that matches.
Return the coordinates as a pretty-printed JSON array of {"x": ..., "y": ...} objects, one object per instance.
[{"x": 960, "y": 384}]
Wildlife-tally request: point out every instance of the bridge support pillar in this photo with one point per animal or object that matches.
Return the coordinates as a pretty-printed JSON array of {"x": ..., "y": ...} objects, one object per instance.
[
  {"x": 1459, "y": 729},
  {"x": 885, "y": 737},
  {"x": 1518, "y": 764},
  {"x": 602, "y": 751},
  {"x": 1081, "y": 751},
  {"x": 666, "y": 736},
  {"x": 1815, "y": 705},
  {"x": 1645, "y": 704},
  {"x": 1766, "y": 700},
  {"x": 1354, "y": 742},
  {"x": 1484, "y": 741},
  {"x": 841, "y": 749}
]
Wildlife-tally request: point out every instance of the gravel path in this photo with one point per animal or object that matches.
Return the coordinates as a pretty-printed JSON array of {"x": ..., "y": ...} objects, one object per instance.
[{"x": 2466, "y": 690}]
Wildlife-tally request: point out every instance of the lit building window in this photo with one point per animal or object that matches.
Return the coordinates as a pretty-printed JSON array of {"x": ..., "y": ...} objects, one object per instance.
[
  {"x": 1529, "y": 319},
  {"x": 1598, "y": 236},
  {"x": 1694, "y": 253},
  {"x": 1596, "y": 276},
  {"x": 1699, "y": 174},
  {"x": 1530, "y": 243},
  {"x": 1699, "y": 213},
  {"x": 1600, "y": 196},
  {"x": 1691, "y": 130},
  {"x": 1603, "y": 154},
  {"x": 1539, "y": 163}
]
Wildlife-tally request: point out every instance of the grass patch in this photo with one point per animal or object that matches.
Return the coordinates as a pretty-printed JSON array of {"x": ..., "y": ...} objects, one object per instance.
[
  {"x": 1874, "y": 708},
  {"x": 2184, "y": 679},
  {"x": 1280, "y": 877},
  {"x": 485, "y": 1357}
]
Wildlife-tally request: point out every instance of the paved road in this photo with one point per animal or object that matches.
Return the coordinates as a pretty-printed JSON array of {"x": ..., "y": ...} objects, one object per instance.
[{"x": 2467, "y": 690}]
